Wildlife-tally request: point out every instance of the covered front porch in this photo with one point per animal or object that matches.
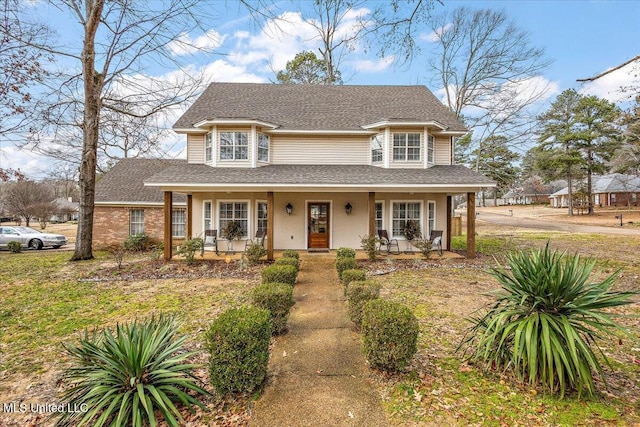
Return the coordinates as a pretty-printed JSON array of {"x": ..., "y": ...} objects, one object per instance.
[{"x": 301, "y": 225}]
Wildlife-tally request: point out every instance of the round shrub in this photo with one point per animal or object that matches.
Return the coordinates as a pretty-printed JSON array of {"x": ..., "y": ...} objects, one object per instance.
[
  {"x": 14, "y": 247},
  {"x": 389, "y": 334},
  {"x": 278, "y": 299},
  {"x": 343, "y": 264},
  {"x": 358, "y": 294},
  {"x": 238, "y": 341},
  {"x": 290, "y": 253},
  {"x": 352, "y": 275},
  {"x": 346, "y": 253},
  {"x": 254, "y": 252},
  {"x": 280, "y": 274},
  {"x": 288, "y": 261}
]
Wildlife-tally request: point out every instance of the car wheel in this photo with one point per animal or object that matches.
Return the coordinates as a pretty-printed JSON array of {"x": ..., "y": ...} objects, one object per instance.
[{"x": 35, "y": 244}]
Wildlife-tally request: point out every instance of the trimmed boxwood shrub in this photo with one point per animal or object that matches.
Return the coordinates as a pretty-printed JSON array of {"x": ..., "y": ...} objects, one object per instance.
[
  {"x": 254, "y": 252},
  {"x": 280, "y": 274},
  {"x": 278, "y": 299},
  {"x": 352, "y": 275},
  {"x": 288, "y": 261},
  {"x": 343, "y": 264},
  {"x": 389, "y": 334},
  {"x": 346, "y": 253},
  {"x": 358, "y": 294},
  {"x": 238, "y": 341},
  {"x": 290, "y": 253}
]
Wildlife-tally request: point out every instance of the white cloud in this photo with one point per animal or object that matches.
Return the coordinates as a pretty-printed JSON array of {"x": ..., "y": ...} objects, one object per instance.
[
  {"x": 611, "y": 86},
  {"x": 33, "y": 165},
  {"x": 435, "y": 35},
  {"x": 185, "y": 45},
  {"x": 369, "y": 66},
  {"x": 223, "y": 71}
]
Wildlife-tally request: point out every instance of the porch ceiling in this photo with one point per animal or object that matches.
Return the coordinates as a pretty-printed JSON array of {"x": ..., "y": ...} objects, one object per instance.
[{"x": 330, "y": 178}]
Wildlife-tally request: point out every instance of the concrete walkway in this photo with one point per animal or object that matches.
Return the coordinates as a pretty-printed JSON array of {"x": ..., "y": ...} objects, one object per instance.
[{"x": 317, "y": 374}]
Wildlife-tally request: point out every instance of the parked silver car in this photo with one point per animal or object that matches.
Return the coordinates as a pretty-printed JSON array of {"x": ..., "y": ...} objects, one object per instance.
[{"x": 30, "y": 238}]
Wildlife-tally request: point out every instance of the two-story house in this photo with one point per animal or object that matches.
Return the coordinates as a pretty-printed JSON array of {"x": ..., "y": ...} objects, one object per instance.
[{"x": 317, "y": 167}]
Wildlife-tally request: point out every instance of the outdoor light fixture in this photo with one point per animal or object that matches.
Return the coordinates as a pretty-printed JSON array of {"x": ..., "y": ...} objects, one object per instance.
[
  {"x": 347, "y": 208},
  {"x": 289, "y": 208}
]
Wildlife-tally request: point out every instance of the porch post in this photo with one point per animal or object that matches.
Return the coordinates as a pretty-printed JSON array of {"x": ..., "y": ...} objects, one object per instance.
[
  {"x": 189, "y": 217},
  {"x": 168, "y": 232},
  {"x": 270, "y": 214},
  {"x": 471, "y": 225},
  {"x": 447, "y": 243},
  {"x": 372, "y": 213}
]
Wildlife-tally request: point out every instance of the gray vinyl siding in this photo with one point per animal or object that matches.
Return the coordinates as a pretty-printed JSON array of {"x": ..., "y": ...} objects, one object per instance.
[
  {"x": 195, "y": 148},
  {"x": 320, "y": 150},
  {"x": 443, "y": 150}
]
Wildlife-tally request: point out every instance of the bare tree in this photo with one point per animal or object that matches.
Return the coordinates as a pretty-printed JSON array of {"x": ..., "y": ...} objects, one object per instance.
[
  {"x": 488, "y": 71},
  {"x": 20, "y": 66},
  {"x": 634, "y": 62},
  {"x": 29, "y": 200},
  {"x": 120, "y": 40}
]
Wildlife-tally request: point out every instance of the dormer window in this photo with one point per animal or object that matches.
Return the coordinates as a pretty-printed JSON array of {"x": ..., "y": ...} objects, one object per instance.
[
  {"x": 406, "y": 147},
  {"x": 234, "y": 145},
  {"x": 430, "y": 149},
  {"x": 263, "y": 147},
  {"x": 208, "y": 148},
  {"x": 376, "y": 148}
]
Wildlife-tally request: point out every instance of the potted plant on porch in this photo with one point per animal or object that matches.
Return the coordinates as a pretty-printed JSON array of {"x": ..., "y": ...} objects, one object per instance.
[
  {"x": 411, "y": 231},
  {"x": 232, "y": 231}
]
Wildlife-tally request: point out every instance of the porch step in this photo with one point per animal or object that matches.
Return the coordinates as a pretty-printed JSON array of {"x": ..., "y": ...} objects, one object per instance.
[{"x": 318, "y": 250}]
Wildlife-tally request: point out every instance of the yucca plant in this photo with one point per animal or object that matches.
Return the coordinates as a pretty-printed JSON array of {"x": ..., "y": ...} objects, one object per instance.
[
  {"x": 129, "y": 376},
  {"x": 546, "y": 320}
]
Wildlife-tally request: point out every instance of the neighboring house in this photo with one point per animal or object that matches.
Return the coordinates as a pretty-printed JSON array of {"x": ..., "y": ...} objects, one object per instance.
[
  {"x": 532, "y": 192},
  {"x": 66, "y": 210},
  {"x": 124, "y": 206},
  {"x": 608, "y": 190},
  {"x": 317, "y": 167}
]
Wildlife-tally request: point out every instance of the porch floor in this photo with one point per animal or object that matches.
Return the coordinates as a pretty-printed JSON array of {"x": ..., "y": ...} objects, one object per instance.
[{"x": 224, "y": 256}]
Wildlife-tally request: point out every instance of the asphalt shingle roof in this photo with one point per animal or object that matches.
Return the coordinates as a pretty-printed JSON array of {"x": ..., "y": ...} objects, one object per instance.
[
  {"x": 318, "y": 175},
  {"x": 125, "y": 181},
  {"x": 318, "y": 107}
]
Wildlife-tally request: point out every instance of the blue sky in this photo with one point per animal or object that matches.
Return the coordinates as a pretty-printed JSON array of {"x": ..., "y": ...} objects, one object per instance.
[{"x": 582, "y": 38}]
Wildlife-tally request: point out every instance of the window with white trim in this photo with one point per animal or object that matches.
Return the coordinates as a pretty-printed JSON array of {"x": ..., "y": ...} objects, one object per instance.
[
  {"x": 379, "y": 207},
  {"x": 178, "y": 222},
  {"x": 376, "y": 148},
  {"x": 403, "y": 212},
  {"x": 234, "y": 145},
  {"x": 206, "y": 215},
  {"x": 263, "y": 147},
  {"x": 208, "y": 148},
  {"x": 234, "y": 211},
  {"x": 431, "y": 217},
  {"x": 261, "y": 217},
  {"x": 136, "y": 222},
  {"x": 406, "y": 147},
  {"x": 430, "y": 149}
]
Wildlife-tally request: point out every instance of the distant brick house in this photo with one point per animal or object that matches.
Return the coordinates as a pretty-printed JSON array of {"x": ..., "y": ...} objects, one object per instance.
[
  {"x": 314, "y": 167},
  {"x": 125, "y": 206},
  {"x": 611, "y": 190}
]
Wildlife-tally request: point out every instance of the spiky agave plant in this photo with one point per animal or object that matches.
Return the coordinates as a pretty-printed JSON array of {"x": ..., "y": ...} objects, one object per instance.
[
  {"x": 129, "y": 376},
  {"x": 546, "y": 320}
]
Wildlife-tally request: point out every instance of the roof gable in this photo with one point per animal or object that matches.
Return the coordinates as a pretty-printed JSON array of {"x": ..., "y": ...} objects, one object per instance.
[{"x": 318, "y": 107}]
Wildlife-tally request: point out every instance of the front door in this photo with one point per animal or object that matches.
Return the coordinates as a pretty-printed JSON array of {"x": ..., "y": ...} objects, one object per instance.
[{"x": 318, "y": 225}]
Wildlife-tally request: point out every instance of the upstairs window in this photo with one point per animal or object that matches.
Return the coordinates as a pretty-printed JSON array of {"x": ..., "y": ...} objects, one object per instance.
[
  {"x": 430, "y": 149},
  {"x": 208, "y": 148},
  {"x": 406, "y": 147},
  {"x": 234, "y": 145},
  {"x": 263, "y": 147},
  {"x": 376, "y": 148}
]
